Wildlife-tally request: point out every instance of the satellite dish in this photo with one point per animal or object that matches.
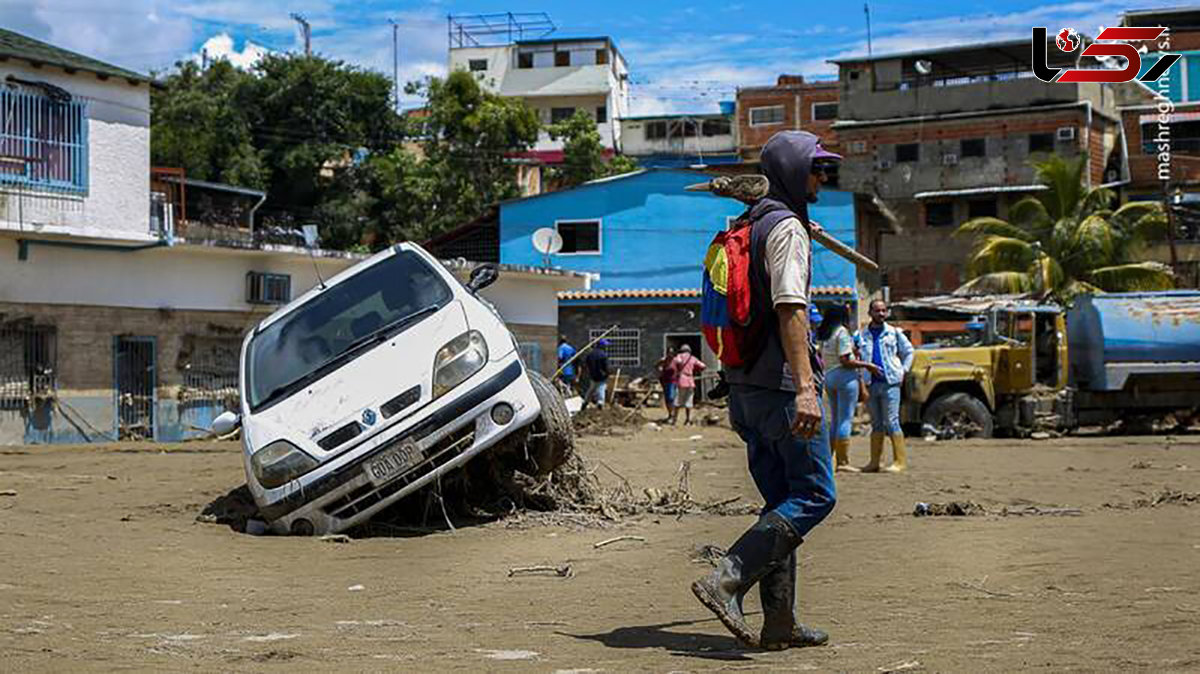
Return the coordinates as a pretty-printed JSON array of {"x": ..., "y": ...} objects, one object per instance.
[
  {"x": 924, "y": 67},
  {"x": 547, "y": 241}
]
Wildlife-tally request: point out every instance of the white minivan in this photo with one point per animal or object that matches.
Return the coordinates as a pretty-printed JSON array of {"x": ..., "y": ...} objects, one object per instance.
[{"x": 373, "y": 384}]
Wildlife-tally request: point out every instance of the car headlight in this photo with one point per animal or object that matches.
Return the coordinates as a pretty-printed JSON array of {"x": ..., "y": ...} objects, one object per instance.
[
  {"x": 279, "y": 463},
  {"x": 460, "y": 358}
]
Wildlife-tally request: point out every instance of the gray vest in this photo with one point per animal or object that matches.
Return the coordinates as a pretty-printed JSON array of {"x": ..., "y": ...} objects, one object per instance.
[{"x": 770, "y": 369}]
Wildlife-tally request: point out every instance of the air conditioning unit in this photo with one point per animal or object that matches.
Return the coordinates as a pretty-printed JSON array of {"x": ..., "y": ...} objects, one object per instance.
[
  {"x": 883, "y": 164},
  {"x": 1066, "y": 133},
  {"x": 949, "y": 159}
]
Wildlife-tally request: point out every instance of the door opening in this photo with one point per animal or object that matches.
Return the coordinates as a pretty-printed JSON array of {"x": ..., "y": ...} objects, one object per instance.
[{"x": 136, "y": 382}]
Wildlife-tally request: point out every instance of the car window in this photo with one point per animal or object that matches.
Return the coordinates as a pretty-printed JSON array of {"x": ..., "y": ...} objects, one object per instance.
[{"x": 319, "y": 333}]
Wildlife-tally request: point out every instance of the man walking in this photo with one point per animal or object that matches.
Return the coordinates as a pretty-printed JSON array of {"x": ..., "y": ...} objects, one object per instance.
[
  {"x": 596, "y": 363},
  {"x": 891, "y": 352},
  {"x": 686, "y": 368},
  {"x": 775, "y": 406}
]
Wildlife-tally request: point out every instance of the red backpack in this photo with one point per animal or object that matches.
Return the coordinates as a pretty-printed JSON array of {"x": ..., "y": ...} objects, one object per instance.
[{"x": 726, "y": 316}]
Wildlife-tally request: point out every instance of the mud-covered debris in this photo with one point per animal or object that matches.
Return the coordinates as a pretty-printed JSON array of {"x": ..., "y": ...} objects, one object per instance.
[
  {"x": 708, "y": 554},
  {"x": 234, "y": 508},
  {"x": 950, "y": 509},
  {"x": 8, "y": 492},
  {"x": 563, "y": 571},
  {"x": 335, "y": 538}
]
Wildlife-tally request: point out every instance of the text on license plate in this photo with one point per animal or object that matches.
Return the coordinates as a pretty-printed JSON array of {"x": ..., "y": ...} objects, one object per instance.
[{"x": 393, "y": 462}]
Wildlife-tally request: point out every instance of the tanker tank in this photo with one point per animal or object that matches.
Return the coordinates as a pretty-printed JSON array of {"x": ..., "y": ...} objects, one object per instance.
[{"x": 1113, "y": 337}]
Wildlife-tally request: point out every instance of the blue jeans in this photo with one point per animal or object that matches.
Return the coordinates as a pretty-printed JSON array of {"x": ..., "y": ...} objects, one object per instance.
[
  {"x": 596, "y": 393},
  {"x": 884, "y": 406},
  {"x": 842, "y": 385},
  {"x": 794, "y": 475}
]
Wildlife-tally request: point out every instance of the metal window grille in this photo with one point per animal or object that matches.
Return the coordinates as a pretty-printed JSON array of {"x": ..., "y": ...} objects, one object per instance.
[
  {"x": 210, "y": 374},
  {"x": 136, "y": 375},
  {"x": 624, "y": 347},
  {"x": 28, "y": 363},
  {"x": 263, "y": 288},
  {"x": 43, "y": 141},
  {"x": 531, "y": 355}
]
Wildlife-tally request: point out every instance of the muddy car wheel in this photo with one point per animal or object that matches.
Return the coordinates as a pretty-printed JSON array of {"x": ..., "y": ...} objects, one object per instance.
[
  {"x": 551, "y": 439},
  {"x": 958, "y": 415}
]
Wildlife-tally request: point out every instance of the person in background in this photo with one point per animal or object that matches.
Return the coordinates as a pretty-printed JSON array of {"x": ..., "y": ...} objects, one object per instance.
[
  {"x": 841, "y": 381},
  {"x": 686, "y": 368},
  {"x": 666, "y": 377},
  {"x": 596, "y": 363},
  {"x": 889, "y": 350},
  {"x": 566, "y": 366}
]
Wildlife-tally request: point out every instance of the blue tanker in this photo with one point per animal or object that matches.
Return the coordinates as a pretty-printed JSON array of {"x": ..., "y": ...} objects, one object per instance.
[{"x": 1119, "y": 339}]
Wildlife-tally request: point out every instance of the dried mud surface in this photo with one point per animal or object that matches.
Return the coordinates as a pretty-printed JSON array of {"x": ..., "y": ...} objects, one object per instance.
[{"x": 1086, "y": 558}]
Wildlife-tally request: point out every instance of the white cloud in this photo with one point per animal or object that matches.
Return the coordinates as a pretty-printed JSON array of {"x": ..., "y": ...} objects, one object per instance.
[{"x": 221, "y": 46}]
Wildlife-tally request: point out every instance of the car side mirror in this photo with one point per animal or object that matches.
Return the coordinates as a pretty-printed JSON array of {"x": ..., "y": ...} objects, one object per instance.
[
  {"x": 226, "y": 423},
  {"x": 483, "y": 276}
]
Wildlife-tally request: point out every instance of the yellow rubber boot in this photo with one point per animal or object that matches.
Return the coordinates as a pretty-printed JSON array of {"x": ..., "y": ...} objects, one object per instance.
[
  {"x": 841, "y": 456},
  {"x": 899, "y": 455},
  {"x": 876, "y": 453}
]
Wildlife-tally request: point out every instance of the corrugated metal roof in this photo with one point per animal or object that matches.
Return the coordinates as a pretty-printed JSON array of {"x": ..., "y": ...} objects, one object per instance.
[
  {"x": 16, "y": 45},
  {"x": 674, "y": 293},
  {"x": 998, "y": 189},
  {"x": 966, "y": 304}
]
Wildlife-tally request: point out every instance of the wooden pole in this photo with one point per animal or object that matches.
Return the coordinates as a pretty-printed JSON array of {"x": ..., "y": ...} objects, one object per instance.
[{"x": 581, "y": 352}]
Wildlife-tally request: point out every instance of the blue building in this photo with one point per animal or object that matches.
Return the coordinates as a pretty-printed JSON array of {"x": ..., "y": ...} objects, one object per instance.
[{"x": 642, "y": 237}]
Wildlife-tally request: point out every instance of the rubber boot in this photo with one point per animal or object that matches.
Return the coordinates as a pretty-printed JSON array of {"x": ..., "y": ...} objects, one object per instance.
[
  {"x": 841, "y": 456},
  {"x": 780, "y": 629},
  {"x": 876, "y": 453},
  {"x": 765, "y": 545},
  {"x": 899, "y": 454}
]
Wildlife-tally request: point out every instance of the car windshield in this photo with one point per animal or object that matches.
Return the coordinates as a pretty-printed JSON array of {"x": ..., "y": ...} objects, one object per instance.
[{"x": 340, "y": 323}]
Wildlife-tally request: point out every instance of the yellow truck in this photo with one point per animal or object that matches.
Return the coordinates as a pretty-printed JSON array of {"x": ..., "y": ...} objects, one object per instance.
[{"x": 1032, "y": 367}]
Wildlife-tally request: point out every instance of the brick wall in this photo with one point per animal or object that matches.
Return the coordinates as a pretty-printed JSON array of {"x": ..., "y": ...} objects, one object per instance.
[
  {"x": 797, "y": 98},
  {"x": 84, "y": 336},
  {"x": 1143, "y": 168}
]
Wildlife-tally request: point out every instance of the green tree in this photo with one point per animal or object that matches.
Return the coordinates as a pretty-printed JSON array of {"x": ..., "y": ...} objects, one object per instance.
[
  {"x": 198, "y": 124},
  {"x": 1066, "y": 240},
  {"x": 583, "y": 152}
]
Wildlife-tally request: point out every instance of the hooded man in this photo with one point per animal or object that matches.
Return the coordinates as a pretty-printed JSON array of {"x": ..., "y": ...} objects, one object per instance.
[{"x": 775, "y": 406}]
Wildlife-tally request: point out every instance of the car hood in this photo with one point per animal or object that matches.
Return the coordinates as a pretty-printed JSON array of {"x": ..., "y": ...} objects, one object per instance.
[{"x": 356, "y": 390}]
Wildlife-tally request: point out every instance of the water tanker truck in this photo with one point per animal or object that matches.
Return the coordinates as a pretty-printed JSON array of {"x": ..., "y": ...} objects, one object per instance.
[{"x": 1037, "y": 367}]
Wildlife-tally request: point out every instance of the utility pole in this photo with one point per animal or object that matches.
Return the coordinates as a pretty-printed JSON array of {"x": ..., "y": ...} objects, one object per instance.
[
  {"x": 306, "y": 31},
  {"x": 867, "y": 11},
  {"x": 395, "y": 62}
]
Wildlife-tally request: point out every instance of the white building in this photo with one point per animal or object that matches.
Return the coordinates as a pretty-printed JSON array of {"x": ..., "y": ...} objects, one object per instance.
[
  {"x": 678, "y": 141},
  {"x": 124, "y": 293},
  {"x": 555, "y": 78}
]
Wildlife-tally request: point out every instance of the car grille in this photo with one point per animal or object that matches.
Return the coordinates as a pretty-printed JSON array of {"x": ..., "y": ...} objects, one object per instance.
[
  {"x": 396, "y": 405},
  {"x": 340, "y": 436},
  {"x": 436, "y": 456}
]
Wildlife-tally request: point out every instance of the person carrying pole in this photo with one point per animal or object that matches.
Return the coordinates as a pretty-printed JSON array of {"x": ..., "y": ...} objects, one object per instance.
[{"x": 775, "y": 406}]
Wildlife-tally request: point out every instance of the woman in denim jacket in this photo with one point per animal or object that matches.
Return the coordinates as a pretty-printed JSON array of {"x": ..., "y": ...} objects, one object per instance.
[{"x": 888, "y": 348}]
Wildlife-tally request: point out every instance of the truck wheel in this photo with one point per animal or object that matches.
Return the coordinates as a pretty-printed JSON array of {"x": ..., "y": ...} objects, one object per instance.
[
  {"x": 958, "y": 415},
  {"x": 551, "y": 439}
]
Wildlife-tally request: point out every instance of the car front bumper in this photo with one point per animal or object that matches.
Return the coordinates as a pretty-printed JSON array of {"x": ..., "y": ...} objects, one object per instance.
[{"x": 338, "y": 495}]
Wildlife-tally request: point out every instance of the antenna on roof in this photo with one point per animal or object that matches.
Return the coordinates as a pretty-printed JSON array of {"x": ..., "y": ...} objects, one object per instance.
[
  {"x": 310, "y": 241},
  {"x": 547, "y": 241}
]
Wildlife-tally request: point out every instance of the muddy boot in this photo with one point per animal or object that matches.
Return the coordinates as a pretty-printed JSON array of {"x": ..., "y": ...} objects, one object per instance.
[
  {"x": 899, "y": 455},
  {"x": 780, "y": 630},
  {"x": 876, "y": 453},
  {"x": 841, "y": 456},
  {"x": 765, "y": 545}
]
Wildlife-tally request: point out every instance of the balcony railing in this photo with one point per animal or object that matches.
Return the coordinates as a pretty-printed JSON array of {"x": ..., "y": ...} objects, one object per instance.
[{"x": 43, "y": 142}]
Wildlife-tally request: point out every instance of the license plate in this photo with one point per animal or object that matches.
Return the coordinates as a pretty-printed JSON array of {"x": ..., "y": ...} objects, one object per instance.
[{"x": 393, "y": 462}]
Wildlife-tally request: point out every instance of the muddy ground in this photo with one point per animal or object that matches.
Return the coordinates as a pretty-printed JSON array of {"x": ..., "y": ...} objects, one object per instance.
[{"x": 1095, "y": 567}]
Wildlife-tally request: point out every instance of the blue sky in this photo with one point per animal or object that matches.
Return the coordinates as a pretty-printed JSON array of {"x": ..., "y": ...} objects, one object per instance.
[{"x": 683, "y": 56}]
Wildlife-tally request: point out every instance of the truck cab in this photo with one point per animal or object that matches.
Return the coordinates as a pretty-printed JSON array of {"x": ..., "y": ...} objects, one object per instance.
[{"x": 1011, "y": 379}]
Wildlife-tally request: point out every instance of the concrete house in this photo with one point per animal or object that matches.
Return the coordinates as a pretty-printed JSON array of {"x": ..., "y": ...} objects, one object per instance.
[
  {"x": 125, "y": 292},
  {"x": 681, "y": 141},
  {"x": 934, "y": 137},
  {"x": 555, "y": 76},
  {"x": 642, "y": 239}
]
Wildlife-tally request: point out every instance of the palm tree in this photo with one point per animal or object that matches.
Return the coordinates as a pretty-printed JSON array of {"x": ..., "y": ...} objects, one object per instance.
[{"x": 1066, "y": 240}]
